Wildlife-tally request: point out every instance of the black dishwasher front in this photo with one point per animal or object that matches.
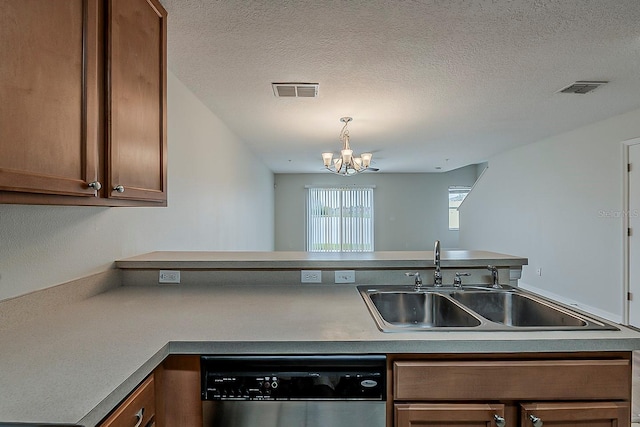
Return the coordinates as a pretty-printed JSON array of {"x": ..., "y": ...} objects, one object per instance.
[{"x": 293, "y": 390}]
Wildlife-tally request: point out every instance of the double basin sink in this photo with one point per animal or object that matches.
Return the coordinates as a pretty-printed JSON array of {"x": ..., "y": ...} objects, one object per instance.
[{"x": 403, "y": 309}]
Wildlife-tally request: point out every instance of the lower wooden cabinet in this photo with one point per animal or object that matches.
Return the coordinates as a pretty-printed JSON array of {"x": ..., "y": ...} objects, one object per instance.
[
  {"x": 137, "y": 410},
  {"x": 168, "y": 397},
  {"x": 558, "y": 414},
  {"x": 449, "y": 414},
  {"x": 517, "y": 390},
  {"x": 574, "y": 414},
  {"x": 178, "y": 392}
]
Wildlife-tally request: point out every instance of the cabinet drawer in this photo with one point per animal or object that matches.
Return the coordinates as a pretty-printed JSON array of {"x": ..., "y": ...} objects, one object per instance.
[
  {"x": 512, "y": 380},
  {"x": 140, "y": 403}
]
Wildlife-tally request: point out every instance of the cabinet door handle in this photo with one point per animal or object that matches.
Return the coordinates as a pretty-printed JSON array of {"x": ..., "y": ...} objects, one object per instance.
[
  {"x": 500, "y": 422},
  {"x": 139, "y": 417},
  {"x": 95, "y": 185},
  {"x": 537, "y": 422},
  {"x": 119, "y": 188}
]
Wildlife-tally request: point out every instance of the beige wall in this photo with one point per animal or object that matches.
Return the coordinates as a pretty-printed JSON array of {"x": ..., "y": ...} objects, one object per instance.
[
  {"x": 410, "y": 210},
  {"x": 211, "y": 207},
  {"x": 545, "y": 201}
]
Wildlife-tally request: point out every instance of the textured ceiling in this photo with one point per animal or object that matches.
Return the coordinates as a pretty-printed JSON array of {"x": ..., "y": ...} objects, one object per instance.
[{"x": 433, "y": 83}]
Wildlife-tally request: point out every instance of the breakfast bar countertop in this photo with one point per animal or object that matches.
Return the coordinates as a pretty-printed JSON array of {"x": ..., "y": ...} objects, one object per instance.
[{"x": 296, "y": 259}]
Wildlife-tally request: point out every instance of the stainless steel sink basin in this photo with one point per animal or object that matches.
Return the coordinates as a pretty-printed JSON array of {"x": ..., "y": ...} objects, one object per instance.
[
  {"x": 401, "y": 309},
  {"x": 513, "y": 309},
  {"x": 421, "y": 309}
]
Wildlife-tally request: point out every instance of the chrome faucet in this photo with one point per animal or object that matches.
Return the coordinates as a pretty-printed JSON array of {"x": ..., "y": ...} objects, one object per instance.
[
  {"x": 418, "y": 283},
  {"x": 437, "y": 274},
  {"x": 494, "y": 276}
]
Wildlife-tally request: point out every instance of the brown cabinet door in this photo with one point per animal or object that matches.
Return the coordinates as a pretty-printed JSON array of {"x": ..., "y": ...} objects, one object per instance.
[
  {"x": 575, "y": 414},
  {"x": 136, "y": 128},
  {"x": 49, "y": 96},
  {"x": 448, "y": 414},
  {"x": 138, "y": 409}
]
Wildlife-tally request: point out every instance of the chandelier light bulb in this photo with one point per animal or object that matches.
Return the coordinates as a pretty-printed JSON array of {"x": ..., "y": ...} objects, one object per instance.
[
  {"x": 346, "y": 156},
  {"x": 326, "y": 159},
  {"x": 366, "y": 159}
]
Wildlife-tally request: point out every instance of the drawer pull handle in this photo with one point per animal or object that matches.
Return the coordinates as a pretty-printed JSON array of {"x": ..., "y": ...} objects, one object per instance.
[
  {"x": 95, "y": 185},
  {"x": 500, "y": 422},
  {"x": 139, "y": 416},
  {"x": 119, "y": 188},
  {"x": 537, "y": 422}
]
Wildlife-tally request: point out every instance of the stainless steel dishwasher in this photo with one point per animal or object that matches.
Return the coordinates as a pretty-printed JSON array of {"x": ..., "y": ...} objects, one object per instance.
[{"x": 293, "y": 391}]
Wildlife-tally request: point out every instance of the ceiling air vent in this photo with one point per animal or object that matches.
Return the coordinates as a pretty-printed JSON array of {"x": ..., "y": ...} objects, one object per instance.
[
  {"x": 295, "y": 90},
  {"x": 582, "y": 87}
]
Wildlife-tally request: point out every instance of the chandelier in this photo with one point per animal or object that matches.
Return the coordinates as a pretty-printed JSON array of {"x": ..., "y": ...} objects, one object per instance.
[{"x": 346, "y": 163}]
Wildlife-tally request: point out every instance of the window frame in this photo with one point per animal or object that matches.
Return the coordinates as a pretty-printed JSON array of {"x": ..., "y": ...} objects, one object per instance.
[{"x": 456, "y": 189}]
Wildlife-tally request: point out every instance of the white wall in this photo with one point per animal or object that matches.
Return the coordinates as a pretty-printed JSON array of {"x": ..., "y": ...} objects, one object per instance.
[
  {"x": 212, "y": 206},
  {"x": 410, "y": 210},
  {"x": 545, "y": 201}
]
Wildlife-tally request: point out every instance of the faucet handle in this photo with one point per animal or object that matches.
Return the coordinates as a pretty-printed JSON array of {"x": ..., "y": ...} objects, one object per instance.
[
  {"x": 418, "y": 281},
  {"x": 416, "y": 275},
  {"x": 457, "y": 281}
]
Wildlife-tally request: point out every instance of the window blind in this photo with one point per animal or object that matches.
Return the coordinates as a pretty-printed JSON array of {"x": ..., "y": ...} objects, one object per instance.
[{"x": 339, "y": 219}]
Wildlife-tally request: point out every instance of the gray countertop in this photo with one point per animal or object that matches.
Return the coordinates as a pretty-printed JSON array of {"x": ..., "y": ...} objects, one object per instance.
[
  {"x": 280, "y": 260},
  {"x": 76, "y": 364}
]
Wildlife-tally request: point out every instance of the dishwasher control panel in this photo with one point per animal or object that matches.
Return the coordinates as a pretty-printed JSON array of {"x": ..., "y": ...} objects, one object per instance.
[
  {"x": 299, "y": 377},
  {"x": 241, "y": 387}
]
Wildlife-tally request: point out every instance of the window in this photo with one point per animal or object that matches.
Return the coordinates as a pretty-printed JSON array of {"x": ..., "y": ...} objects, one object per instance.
[
  {"x": 340, "y": 219},
  {"x": 456, "y": 196}
]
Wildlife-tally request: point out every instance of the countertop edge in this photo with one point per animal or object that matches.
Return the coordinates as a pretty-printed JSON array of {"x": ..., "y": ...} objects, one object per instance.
[{"x": 109, "y": 403}]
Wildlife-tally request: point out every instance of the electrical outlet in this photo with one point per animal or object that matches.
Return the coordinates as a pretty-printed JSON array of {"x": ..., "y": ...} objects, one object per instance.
[
  {"x": 311, "y": 276},
  {"x": 169, "y": 276},
  {"x": 345, "y": 276}
]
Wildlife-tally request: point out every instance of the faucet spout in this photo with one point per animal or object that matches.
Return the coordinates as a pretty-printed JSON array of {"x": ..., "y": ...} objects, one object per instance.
[{"x": 437, "y": 274}]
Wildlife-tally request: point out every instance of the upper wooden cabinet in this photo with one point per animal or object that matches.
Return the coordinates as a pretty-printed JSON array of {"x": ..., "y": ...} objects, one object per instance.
[
  {"x": 136, "y": 133},
  {"x": 83, "y": 111},
  {"x": 49, "y": 92}
]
